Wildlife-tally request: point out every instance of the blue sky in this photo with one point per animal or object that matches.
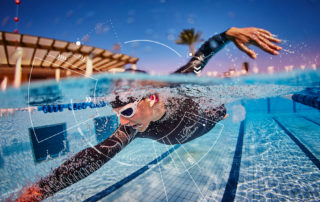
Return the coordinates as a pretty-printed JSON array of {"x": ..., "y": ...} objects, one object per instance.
[{"x": 105, "y": 23}]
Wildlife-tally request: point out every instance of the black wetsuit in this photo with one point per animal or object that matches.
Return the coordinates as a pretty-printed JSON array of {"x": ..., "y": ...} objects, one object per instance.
[{"x": 186, "y": 123}]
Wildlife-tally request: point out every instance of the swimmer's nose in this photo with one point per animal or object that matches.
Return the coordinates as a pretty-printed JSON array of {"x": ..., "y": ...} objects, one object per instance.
[{"x": 123, "y": 121}]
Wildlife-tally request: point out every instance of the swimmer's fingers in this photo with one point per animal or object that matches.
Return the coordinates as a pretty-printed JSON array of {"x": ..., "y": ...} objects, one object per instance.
[
  {"x": 256, "y": 36},
  {"x": 264, "y": 31},
  {"x": 245, "y": 49},
  {"x": 271, "y": 45},
  {"x": 271, "y": 38},
  {"x": 30, "y": 194},
  {"x": 264, "y": 46},
  {"x": 225, "y": 116},
  {"x": 268, "y": 35}
]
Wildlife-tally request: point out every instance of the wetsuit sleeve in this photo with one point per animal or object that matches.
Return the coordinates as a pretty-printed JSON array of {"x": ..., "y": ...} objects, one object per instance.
[
  {"x": 85, "y": 162},
  {"x": 204, "y": 53}
]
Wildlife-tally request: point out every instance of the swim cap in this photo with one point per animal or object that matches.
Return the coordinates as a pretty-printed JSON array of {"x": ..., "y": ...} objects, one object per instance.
[{"x": 119, "y": 103}]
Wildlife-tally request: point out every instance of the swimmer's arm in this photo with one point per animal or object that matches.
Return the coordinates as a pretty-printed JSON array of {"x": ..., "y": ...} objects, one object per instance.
[
  {"x": 241, "y": 37},
  {"x": 204, "y": 53},
  {"x": 80, "y": 166}
]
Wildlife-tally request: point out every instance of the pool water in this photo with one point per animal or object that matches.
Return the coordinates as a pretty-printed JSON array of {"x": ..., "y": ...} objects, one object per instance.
[{"x": 267, "y": 149}]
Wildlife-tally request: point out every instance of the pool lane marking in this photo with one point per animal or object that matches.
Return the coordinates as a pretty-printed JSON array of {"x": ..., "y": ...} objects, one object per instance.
[
  {"x": 314, "y": 159},
  {"x": 232, "y": 184},
  {"x": 268, "y": 105},
  {"x": 164, "y": 186},
  {"x": 310, "y": 120},
  {"x": 129, "y": 178}
]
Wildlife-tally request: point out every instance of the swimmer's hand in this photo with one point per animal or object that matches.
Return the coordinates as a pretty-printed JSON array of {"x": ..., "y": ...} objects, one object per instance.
[
  {"x": 261, "y": 38},
  {"x": 225, "y": 116},
  {"x": 30, "y": 194}
]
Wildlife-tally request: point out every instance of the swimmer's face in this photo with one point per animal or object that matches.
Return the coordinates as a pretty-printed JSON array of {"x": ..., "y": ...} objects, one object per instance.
[{"x": 141, "y": 119}]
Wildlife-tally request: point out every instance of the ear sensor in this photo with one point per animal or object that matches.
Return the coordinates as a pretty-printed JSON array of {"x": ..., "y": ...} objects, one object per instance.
[{"x": 153, "y": 99}]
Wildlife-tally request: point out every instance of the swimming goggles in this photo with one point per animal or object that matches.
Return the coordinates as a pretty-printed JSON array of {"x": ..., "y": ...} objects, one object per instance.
[{"x": 130, "y": 109}]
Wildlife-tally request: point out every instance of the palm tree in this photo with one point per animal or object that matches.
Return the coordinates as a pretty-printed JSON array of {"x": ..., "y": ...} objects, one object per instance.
[{"x": 190, "y": 38}]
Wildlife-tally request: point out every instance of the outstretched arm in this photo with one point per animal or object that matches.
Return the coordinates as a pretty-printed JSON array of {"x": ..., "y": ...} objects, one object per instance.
[
  {"x": 79, "y": 166},
  {"x": 241, "y": 37}
]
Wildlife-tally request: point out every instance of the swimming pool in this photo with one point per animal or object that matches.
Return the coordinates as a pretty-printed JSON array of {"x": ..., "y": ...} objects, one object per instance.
[{"x": 266, "y": 150}]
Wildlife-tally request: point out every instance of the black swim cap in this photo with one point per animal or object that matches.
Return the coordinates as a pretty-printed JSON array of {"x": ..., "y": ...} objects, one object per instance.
[{"x": 119, "y": 103}]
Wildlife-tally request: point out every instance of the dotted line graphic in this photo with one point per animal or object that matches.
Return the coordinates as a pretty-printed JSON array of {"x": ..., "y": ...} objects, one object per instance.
[{"x": 115, "y": 34}]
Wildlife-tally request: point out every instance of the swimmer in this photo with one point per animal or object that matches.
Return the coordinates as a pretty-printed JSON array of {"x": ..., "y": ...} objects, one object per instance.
[{"x": 171, "y": 121}]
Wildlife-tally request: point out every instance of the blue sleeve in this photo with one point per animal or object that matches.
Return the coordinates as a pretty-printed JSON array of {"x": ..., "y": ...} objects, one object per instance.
[{"x": 204, "y": 53}]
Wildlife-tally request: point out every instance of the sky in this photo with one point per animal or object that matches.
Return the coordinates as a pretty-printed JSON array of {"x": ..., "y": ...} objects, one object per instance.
[{"x": 157, "y": 23}]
